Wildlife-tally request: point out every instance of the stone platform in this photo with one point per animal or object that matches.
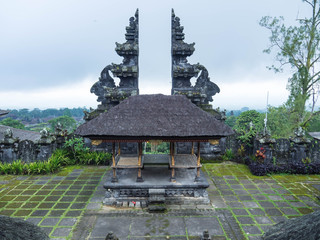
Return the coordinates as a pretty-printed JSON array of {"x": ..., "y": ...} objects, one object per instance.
[{"x": 156, "y": 182}]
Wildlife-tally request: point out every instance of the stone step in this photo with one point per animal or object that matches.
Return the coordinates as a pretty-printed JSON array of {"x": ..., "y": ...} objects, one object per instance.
[
  {"x": 157, "y": 208},
  {"x": 156, "y": 196},
  {"x": 156, "y": 199},
  {"x": 157, "y": 191}
]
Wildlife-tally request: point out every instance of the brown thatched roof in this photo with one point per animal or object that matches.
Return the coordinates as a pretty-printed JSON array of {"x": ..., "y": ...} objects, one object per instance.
[
  {"x": 3, "y": 112},
  {"x": 155, "y": 117},
  {"x": 19, "y": 133}
]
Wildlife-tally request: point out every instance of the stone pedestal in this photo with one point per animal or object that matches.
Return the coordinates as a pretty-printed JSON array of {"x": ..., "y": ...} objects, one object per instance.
[{"x": 156, "y": 178}]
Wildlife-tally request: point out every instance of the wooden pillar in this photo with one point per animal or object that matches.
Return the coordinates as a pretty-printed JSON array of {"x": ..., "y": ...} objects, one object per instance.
[
  {"x": 119, "y": 149},
  {"x": 198, "y": 164},
  {"x": 114, "y": 177},
  {"x": 139, "y": 178},
  {"x": 172, "y": 155},
  {"x": 192, "y": 149},
  {"x": 173, "y": 178}
]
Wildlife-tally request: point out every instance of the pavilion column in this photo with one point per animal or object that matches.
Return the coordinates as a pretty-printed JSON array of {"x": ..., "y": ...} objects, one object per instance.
[
  {"x": 198, "y": 164},
  {"x": 139, "y": 178},
  {"x": 114, "y": 176},
  {"x": 192, "y": 149},
  {"x": 173, "y": 178},
  {"x": 119, "y": 149}
]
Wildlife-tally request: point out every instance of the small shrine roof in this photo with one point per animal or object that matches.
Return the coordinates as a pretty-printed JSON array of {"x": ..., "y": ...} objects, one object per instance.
[
  {"x": 19, "y": 133},
  {"x": 155, "y": 117},
  {"x": 3, "y": 112}
]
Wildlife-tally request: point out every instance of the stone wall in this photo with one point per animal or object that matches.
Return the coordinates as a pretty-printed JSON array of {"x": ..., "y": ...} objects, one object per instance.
[
  {"x": 12, "y": 149},
  {"x": 278, "y": 152},
  {"x": 286, "y": 151}
]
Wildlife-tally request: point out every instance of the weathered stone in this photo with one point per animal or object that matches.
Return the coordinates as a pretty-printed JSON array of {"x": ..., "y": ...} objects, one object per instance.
[
  {"x": 305, "y": 227},
  {"x": 12, "y": 228},
  {"x": 108, "y": 93},
  {"x": 182, "y": 71},
  {"x": 111, "y": 236}
]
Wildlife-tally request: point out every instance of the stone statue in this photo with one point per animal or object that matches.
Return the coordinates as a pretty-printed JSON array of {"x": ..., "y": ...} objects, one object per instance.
[
  {"x": 205, "y": 86},
  {"x": 8, "y": 133},
  {"x": 8, "y": 137},
  {"x": 45, "y": 137},
  {"x": 108, "y": 93},
  {"x": 182, "y": 71}
]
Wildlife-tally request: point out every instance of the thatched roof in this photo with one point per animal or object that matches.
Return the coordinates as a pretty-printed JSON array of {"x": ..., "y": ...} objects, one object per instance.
[
  {"x": 155, "y": 117},
  {"x": 3, "y": 112},
  {"x": 19, "y": 133}
]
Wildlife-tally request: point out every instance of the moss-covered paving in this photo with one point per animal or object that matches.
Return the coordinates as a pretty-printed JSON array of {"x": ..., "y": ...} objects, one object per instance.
[
  {"x": 53, "y": 202},
  {"x": 242, "y": 205},
  {"x": 258, "y": 202}
]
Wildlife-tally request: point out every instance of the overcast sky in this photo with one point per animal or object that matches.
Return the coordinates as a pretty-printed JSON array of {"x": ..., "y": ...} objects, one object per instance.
[{"x": 51, "y": 52}]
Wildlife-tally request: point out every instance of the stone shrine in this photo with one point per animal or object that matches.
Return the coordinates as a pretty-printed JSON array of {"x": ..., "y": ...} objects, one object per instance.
[
  {"x": 108, "y": 93},
  {"x": 182, "y": 71}
]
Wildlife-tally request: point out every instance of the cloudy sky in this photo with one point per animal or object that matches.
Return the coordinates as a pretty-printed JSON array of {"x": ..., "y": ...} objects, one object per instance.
[{"x": 51, "y": 52}]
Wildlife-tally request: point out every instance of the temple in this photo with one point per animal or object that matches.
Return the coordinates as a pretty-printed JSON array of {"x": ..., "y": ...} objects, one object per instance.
[
  {"x": 158, "y": 118},
  {"x": 182, "y": 71},
  {"x": 125, "y": 121},
  {"x": 108, "y": 93}
]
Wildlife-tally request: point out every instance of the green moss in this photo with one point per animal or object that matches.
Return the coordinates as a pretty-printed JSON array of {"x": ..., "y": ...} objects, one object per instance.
[
  {"x": 305, "y": 210},
  {"x": 30, "y": 205},
  {"x": 14, "y": 205},
  {"x": 7, "y": 198},
  {"x": 66, "y": 170},
  {"x": 22, "y": 213}
]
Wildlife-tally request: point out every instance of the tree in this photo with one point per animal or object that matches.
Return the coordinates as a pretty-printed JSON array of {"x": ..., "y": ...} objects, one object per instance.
[
  {"x": 248, "y": 124},
  {"x": 246, "y": 117},
  {"x": 67, "y": 123},
  {"x": 299, "y": 47},
  {"x": 280, "y": 122},
  {"x": 12, "y": 123},
  {"x": 314, "y": 124},
  {"x": 231, "y": 121}
]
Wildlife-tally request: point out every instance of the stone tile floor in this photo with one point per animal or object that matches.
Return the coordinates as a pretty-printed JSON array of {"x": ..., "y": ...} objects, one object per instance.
[{"x": 68, "y": 205}]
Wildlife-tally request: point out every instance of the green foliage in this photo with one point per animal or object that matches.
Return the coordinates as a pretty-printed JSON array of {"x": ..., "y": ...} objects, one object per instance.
[
  {"x": 58, "y": 159},
  {"x": 314, "y": 124},
  {"x": 231, "y": 121},
  {"x": 94, "y": 158},
  {"x": 280, "y": 122},
  {"x": 67, "y": 123},
  {"x": 246, "y": 117},
  {"x": 228, "y": 155},
  {"x": 12, "y": 123},
  {"x": 241, "y": 152},
  {"x": 274, "y": 161},
  {"x": 18, "y": 167},
  {"x": 162, "y": 148},
  {"x": 77, "y": 153},
  {"x": 246, "y": 137},
  {"x": 298, "y": 47},
  {"x": 245, "y": 130},
  {"x": 75, "y": 148},
  {"x": 38, "y": 127}
]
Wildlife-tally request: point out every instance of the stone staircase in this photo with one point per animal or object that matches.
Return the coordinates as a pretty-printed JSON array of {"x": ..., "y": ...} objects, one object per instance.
[{"x": 156, "y": 201}]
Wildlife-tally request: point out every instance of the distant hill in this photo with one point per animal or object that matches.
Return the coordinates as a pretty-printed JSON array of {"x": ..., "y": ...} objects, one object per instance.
[{"x": 37, "y": 119}]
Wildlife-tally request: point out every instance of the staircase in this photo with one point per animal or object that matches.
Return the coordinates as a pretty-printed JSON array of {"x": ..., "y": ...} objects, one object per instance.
[{"x": 156, "y": 201}]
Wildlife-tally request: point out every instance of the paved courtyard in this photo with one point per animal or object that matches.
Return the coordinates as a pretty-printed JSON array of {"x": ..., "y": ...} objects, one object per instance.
[{"x": 68, "y": 205}]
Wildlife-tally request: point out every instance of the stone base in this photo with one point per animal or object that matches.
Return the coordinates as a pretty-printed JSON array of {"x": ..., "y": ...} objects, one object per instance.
[{"x": 183, "y": 191}]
